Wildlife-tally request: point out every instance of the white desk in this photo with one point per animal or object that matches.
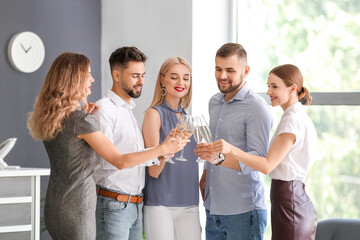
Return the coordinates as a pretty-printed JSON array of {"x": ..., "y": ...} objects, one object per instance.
[{"x": 20, "y": 203}]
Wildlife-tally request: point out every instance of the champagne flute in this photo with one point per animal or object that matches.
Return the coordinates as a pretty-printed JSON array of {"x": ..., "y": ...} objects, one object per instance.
[
  {"x": 198, "y": 136},
  {"x": 168, "y": 158},
  {"x": 205, "y": 130},
  {"x": 206, "y": 133},
  {"x": 186, "y": 131},
  {"x": 179, "y": 127}
]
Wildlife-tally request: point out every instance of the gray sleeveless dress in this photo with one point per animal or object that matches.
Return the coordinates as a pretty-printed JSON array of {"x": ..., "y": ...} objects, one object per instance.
[{"x": 71, "y": 196}]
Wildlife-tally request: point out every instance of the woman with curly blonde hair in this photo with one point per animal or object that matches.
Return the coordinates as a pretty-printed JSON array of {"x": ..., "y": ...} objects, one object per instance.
[{"x": 72, "y": 138}]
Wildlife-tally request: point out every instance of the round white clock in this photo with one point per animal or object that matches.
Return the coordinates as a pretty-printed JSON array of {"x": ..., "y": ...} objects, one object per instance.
[{"x": 26, "y": 52}]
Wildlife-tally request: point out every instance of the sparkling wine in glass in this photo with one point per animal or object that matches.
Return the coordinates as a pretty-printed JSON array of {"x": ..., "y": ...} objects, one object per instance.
[
  {"x": 198, "y": 138},
  {"x": 186, "y": 131},
  {"x": 205, "y": 132}
]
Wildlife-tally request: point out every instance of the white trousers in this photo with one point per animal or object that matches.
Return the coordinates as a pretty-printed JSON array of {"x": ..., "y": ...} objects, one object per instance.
[{"x": 172, "y": 223}]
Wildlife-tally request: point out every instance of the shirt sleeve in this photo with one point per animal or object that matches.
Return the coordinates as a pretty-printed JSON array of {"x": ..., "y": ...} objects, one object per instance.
[
  {"x": 258, "y": 125},
  {"x": 288, "y": 125},
  {"x": 85, "y": 123},
  {"x": 106, "y": 123}
]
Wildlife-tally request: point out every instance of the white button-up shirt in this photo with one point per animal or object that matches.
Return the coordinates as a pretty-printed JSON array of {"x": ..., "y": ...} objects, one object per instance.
[
  {"x": 118, "y": 123},
  {"x": 297, "y": 163}
]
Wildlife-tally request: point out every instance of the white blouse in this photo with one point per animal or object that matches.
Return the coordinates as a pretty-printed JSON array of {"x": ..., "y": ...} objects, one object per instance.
[{"x": 300, "y": 158}]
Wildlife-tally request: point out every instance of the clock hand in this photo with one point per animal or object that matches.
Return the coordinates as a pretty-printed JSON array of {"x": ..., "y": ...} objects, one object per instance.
[
  {"x": 22, "y": 46},
  {"x": 28, "y": 49}
]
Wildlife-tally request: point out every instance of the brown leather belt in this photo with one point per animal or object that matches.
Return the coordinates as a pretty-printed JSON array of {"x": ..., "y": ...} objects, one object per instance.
[{"x": 120, "y": 197}]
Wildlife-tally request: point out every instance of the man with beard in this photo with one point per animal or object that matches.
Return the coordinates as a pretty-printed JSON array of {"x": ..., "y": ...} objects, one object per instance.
[
  {"x": 234, "y": 194},
  {"x": 119, "y": 200}
]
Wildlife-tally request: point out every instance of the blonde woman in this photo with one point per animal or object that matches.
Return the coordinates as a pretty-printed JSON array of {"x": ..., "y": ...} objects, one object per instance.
[
  {"x": 72, "y": 138},
  {"x": 171, "y": 190}
]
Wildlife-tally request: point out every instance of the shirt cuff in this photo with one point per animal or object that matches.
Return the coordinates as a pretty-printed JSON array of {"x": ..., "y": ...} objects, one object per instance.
[
  {"x": 151, "y": 161},
  {"x": 243, "y": 169},
  {"x": 206, "y": 165}
]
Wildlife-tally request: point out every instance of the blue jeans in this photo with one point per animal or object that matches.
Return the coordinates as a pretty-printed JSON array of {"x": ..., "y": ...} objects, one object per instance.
[
  {"x": 246, "y": 226},
  {"x": 118, "y": 220}
]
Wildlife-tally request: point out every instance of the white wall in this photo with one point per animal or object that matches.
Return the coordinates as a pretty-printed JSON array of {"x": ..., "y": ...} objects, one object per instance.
[
  {"x": 159, "y": 28},
  {"x": 193, "y": 29},
  {"x": 211, "y": 29}
]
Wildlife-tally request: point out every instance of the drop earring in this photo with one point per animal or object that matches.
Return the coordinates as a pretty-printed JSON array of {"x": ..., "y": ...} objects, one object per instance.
[{"x": 163, "y": 91}]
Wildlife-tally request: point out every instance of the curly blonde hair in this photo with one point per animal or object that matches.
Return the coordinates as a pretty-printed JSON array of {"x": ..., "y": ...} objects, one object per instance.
[
  {"x": 165, "y": 67},
  {"x": 61, "y": 93}
]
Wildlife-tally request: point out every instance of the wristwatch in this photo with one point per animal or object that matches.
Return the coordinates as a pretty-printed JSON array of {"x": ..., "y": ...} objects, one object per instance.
[{"x": 222, "y": 159}]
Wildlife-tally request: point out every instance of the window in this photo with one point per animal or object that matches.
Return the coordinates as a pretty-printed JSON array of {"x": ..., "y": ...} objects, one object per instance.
[{"x": 322, "y": 38}]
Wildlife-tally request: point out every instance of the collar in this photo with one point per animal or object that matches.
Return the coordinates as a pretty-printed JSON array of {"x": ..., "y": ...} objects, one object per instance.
[
  {"x": 118, "y": 101},
  {"x": 166, "y": 105},
  {"x": 293, "y": 107},
  {"x": 239, "y": 96}
]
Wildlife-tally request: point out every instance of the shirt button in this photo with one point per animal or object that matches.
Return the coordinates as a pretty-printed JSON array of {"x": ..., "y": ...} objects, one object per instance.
[
  {"x": 211, "y": 188},
  {"x": 212, "y": 170}
]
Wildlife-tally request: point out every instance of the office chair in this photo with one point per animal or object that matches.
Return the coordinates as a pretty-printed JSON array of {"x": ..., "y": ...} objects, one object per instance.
[{"x": 338, "y": 229}]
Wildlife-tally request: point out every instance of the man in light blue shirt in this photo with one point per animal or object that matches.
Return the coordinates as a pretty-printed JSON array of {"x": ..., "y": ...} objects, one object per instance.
[{"x": 234, "y": 194}]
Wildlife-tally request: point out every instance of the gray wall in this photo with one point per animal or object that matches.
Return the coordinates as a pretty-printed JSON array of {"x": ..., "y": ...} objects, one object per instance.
[{"x": 66, "y": 25}]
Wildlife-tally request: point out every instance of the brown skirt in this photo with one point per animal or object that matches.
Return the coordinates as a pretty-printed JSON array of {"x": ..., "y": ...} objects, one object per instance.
[{"x": 293, "y": 216}]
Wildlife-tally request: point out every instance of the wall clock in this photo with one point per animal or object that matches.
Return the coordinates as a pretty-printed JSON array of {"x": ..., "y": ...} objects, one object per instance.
[{"x": 26, "y": 52}]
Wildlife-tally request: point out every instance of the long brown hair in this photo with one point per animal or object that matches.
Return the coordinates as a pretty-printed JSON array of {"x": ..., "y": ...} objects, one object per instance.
[
  {"x": 168, "y": 63},
  {"x": 290, "y": 75},
  {"x": 61, "y": 93}
]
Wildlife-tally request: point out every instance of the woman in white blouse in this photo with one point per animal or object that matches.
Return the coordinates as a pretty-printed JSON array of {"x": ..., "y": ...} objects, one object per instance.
[{"x": 288, "y": 160}]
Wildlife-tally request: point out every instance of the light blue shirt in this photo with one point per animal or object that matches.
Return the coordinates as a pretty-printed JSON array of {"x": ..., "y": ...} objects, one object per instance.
[{"x": 245, "y": 122}]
